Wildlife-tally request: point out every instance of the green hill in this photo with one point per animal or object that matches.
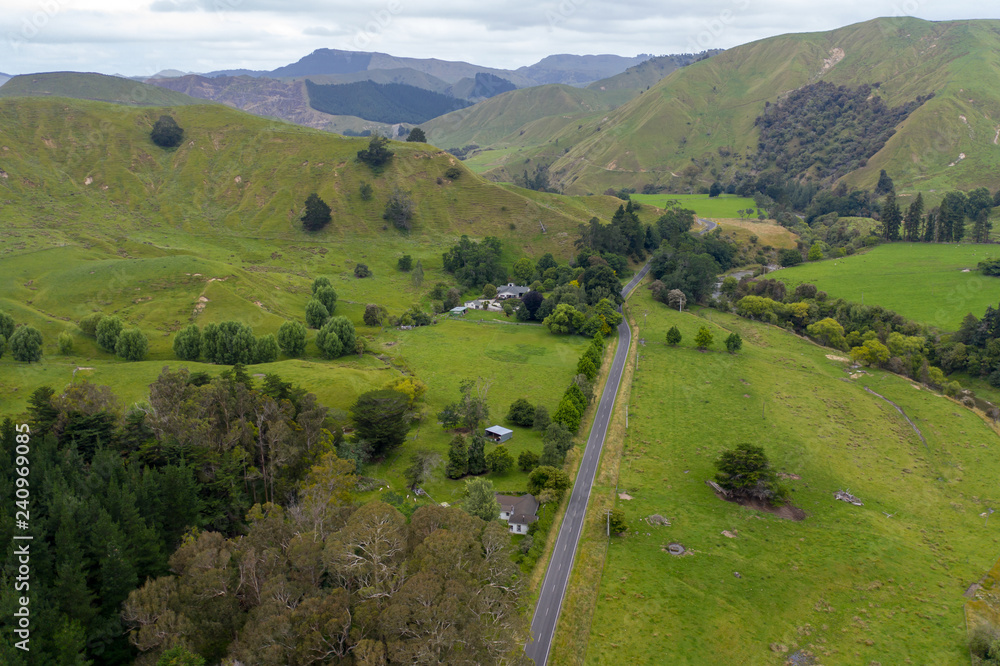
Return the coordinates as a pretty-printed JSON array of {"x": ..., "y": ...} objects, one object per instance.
[
  {"x": 706, "y": 112},
  {"x": 492, "y": 121},
  {"x": 97, "y": 87}
]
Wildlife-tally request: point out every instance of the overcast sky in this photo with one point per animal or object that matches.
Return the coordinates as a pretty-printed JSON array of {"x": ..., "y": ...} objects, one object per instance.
[{"x": 142, "y": 37}]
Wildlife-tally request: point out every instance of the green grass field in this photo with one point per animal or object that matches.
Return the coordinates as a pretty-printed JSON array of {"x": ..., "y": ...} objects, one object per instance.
[
  {"x": 849, "y": 584},
  {"x": 922, "y": 281},
  {"x": 724, "y": 205}
]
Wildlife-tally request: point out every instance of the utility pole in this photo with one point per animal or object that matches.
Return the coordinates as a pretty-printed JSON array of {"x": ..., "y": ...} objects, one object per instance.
[{"x": 609, "y": 524}]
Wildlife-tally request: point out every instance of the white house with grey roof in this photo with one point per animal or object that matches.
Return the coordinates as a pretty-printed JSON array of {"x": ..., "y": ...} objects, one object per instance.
[
  {"x": 511, "y": 290},
  {"x": 519, "y": 512}
]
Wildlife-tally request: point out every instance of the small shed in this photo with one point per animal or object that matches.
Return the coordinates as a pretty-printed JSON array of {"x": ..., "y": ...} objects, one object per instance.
[
  {"x": 499, "y": 433},
  {"x": 458, "y": 311}
]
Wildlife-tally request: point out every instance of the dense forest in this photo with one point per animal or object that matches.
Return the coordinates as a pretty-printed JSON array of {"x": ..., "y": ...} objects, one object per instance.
[
  {"x": 381, "y": 102},
  {"x": 217, "y": 521},
  {"x": 825, "y": 130}
]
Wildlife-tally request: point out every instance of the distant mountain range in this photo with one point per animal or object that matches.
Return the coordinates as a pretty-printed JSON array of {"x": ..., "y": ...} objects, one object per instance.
[{"x": 4, "y": 78}]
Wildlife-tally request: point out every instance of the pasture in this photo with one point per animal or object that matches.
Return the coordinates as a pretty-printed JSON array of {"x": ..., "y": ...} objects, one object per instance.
[
  {"x": 931, "y": 283},
  {"x": 724, "y": 205},
  {"x": 878, "y": 583}
]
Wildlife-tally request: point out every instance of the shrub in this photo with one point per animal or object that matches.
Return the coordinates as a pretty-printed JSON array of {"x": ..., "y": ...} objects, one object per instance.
[
  {"x": 337, "y": 337},
  {"x": 266, "y": 349},
  {"x": 362, "y": 271},
  {"x": 399, "y": 210},
  {"x": 167, "y": 133},
  {"x": 316, "y": 313},
  {"x": 746, "y": 472},
  {"x": 365, "y": 190},
  {"x": 788, "y": 257},
  {"x": 499, "y": 460},
  {"x": 187, "y": 343},
  {"x": 704, "y": 338},
  {"x": 292, "y": 338},
  {"x": 377, "y": 154},
  {"x": 132, "y": 345},
  {"x": 26, "y": 344},
  {"x": 88, "y": 324},
  {"x": 317, "y": 213},
  {"x": 734, "y": 343},
  {"x": 521, "y": 413},
  {"x": 405, "y": 263},
  {"x": 453, "y": 173},
  {"x": 527, "y": 461},
  {"x": 107, "y": 333},
  {"x": 673, "y": 336},
  {"x": 65, "y": 343},
  {"x": 542, "y": 419}
]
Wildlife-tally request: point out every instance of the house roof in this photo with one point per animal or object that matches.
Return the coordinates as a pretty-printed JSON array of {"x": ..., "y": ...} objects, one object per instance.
[
  {"x": 522, "y": 509},
  {"x": 499, "y": 430},
  {"x": 513, "y": 289}
]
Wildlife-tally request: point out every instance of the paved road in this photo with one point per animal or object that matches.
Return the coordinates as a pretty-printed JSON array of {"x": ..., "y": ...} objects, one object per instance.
[
  {"x": 550, "y": 599},
  {"x": 709, "y": 225}
]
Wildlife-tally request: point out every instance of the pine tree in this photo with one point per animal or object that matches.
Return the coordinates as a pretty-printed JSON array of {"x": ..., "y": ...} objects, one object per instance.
[
  {"x": 982, "y": 226},
  {"x": 703, "y": 339},
  {"x": 885, "y": 184},
  {"x": 891, "y": 218},
  {"x": 477, "y": 455},
  {"x": 911, "y": 226},
  {"x": 673, "y": 336},
  {"x": 458, "y": 459},
  {"x": 930, "y": 227}
]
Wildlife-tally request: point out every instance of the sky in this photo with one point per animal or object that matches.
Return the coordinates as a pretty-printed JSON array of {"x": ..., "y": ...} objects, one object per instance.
[{"x": 143, "y": 37}]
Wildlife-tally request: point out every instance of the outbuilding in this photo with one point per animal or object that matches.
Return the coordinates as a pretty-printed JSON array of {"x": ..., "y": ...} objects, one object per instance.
[
  {"x": 499, "y": 433},
  {"x": 458, "y": 311}
]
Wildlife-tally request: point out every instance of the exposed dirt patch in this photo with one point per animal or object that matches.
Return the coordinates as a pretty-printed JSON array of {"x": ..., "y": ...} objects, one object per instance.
[
  {"x": 783, "y": 475},
  {"x": 834, "y": 357},
  {"x": 728, "y": 534},
  {"x": 787, "y": 511},
  {"x": 624, "y": 496}
]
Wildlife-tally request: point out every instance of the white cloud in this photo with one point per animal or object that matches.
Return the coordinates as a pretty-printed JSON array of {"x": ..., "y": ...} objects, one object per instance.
[{"x": 201, "y": 35}]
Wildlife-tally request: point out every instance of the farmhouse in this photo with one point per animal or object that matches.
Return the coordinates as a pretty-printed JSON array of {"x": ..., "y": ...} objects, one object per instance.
[
  {"x": 519, "y": 512},
  {"x": 499, "y": 433},
  {"x": 511, "y": 290}
]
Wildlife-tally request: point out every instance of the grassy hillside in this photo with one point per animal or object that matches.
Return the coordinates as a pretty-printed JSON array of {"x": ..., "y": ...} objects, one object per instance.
[
  {"x": 490, "y": 122},
  {"x": 933, "y": 284},
  {"x": 711, "y": 105},
  {"x": 849, "y": 584},
  {"x": 98, "y": 87}
]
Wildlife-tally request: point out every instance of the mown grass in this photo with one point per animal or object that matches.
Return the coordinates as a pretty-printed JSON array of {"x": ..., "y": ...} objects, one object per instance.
[
  {"x": 724, "y": 205},
  {"x": 925, "y": 282},
  {"x": 848, "y": 583}
]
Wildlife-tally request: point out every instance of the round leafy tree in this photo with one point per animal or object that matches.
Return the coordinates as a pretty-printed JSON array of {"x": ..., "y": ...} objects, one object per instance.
[
  {"x": 187, "y": 343},
  {"x": 746, "y": 472},
  {"x": 317, "y": 213},
  {"x": 521, "y": 413},
  {"x": 673, "y": 336},
  {"x": 417, "y": 134},
  {"x": 108, "y": 330},
  {"x": 316, "y": 313},
  {"x": 167, "y": 133},
  {"x": 26, "y": 344},
  {"x": 292, "y": 338},
  {"x": 132, "y": 345}
]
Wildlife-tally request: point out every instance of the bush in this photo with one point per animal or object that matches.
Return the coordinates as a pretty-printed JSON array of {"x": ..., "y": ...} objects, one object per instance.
[
  {"x": 788, "y": 257},
  {"x": 337, "y": 337},
  {"x": 499, "y": 460},
  {"x": 292, "y": 338},
  {"x": 187, "y": 343},
  {"x": 232, "y": 342},
  {"x": 317, "y": 213},
  {"x": 542, "y": 419},
  {"x": 316, "y": 313},
  {"x": 746, "y": 472},
  {"x": 362, "y": 271},
  {"x": 88, "y": 324},
  {"x": 548, "y": 478},
  {"x": 453, "y": 173},
  {"x": 26, "y": 344},
  {"x": 167, "y": 133},
  {"x": 365, "y": 190},
  {"x": 673, "y": 336},
  {"x": 132, "y": 345},
  {"x": 399, "y": 210},
  {"x": 65, "y": 343},
  {"x": 704, "y": 338},
  {"x": 521, "y": 413},
  {"x": 107, "y": 333},
  {"x": 417, "y": 134},
  {"x": 266, "y": 349},
  {"x": 405, "y": 263},
  {"x": 734, "y": 343},
  {"x": 377, "y": 154},
  {"x": 617, "y": 522},
  {"x": 527, "y": 461}
]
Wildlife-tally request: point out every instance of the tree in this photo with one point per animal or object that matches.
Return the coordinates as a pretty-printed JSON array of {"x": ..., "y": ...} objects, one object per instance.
[
  {"x": 417, "y": 134},
  {"x": 26, "y": 344},
  {"x": 458, "y": 458},
  {"x": 65, "y": 344},
  {"x": 676, "y": 299},
  {"x": 107, "y": 333},
  {"x": 586, "y": 368},
  {"x": 422, "y": 464},
  {"x": 734, "y": 343},
  {"x": 399, "y": 210},
  {"x": 337, "y": 337},
  {"x": 324, "y": 292},
  {"x": 266, "y": 349},
  {"x": 187, "y": 343},
  {"x": 981, "y": 227},
  {"x": 375, "y": 315},
  {"x": 405, "y": 263},
  {"x": 316, "y": 313},
  {"x": 892, "y": 218},
  {"x": 481, "y": 500},
  {"x": 362, "y": 271},
  {"x": 523, "y": 271},
  {"x": 547, "y": 478},
  {"x": 911, "y": 225},
  {"x": 521, "y": 413},
  {"x": 617, "y": 522},
  {"x": 715, "y": 190},
  {"x": 292, "y": 338},
  {"x": 568, "y": 414},
  {"x": 527, "y": 461},
  {"x": 542, "y": 419},
  {"x": 470, "y": 410},
  {"x": 673, "y": 336},
  {"x": 365, "y": 190},
  {"x": 885, "y": 184},
  {"x": 789, "y": 257},
  {"x": 872, "y": 352},
  {"x": 452, "y": 299},
  {"x": 499, "y": 460},
  {"x": 703, "y": 339},
  {"x": 477, "y": 457},
  {"x": 317, "y": 213},
  {"x": 565, "y": 319},
  {"x": 746, "y": 472},
  {"x": 508, "y": 308},
  {"x": 418, "y": 274},
  {"x": 167, "y": 133},
  {"x": 815, "y": 252},
  {"x": 132, "y": 345},
  {"x": 7, "y": 324},
  {"x": 381, "y": 419},
  {"x": 377, "y": 154},
  {"x": 557, "y": 435},
  {"x": 828, "y": 331},
  {"x": 180, "y": 656},
  {"x": 489, "y": 291}
]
